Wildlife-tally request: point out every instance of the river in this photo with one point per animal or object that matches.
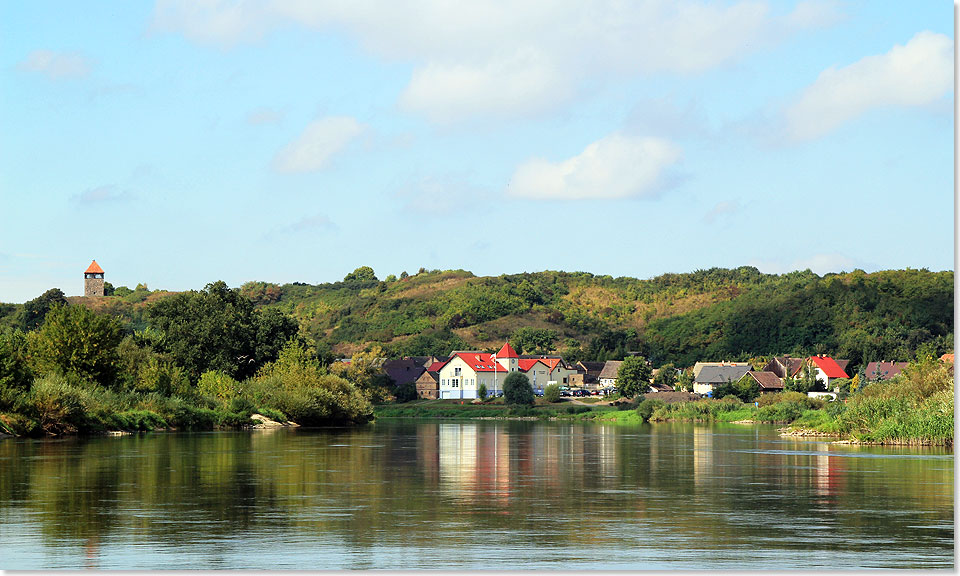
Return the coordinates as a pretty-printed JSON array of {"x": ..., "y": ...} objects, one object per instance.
[{"x": 409, "y": 494}]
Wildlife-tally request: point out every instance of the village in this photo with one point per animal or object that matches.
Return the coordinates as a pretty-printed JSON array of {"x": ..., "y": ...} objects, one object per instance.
[{"x": 473, "y": 375}]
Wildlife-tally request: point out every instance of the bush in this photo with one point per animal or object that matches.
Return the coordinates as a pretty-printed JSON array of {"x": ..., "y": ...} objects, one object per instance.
[
  {"x": 577, "y": 409},
  {"x": 517, "y": 390},
  {"x": 57, "y": 406},
  {"x": 218, "y": 386},
  {"x": 780, "y": 412},
  {"x": 552, "y": 393},
  {"x": 407, "y": 392},
  {"x": 648, "y": 406},
  {"x": 522, "y": 410},
  {"x": 187, "y": 417},
  {"x": 275, "y": 415}
]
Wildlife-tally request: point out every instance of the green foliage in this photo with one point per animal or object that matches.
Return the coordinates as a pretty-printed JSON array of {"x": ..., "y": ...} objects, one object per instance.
[
  {"x": 527, "y": 340},
  {"x": 218, "y": 386},
  {"x": 481, "y": 391},
  {"x": 15, "y": 373},
  {"x": 296, "y": 385},
  {"x": 552, "y": 393},
  {"x": 75, "y": 340},
  {"x": 56, "y": 405},
  {"x": 648, "y": 407},
  {"x": 33, "y": 312},
  {"x": 685, "y": 381},
  {"x": 746, "y": 389},
  {"x": 633, "y": 378},
  {"x": 666, "y": 376},
  {"x": 408, "y": 392},
  {"x": 517, "y": 389},
  {"x": 577, "y": 409},
  {"x": 362, "y": 275},
  {"x": 219, "y": 329}
]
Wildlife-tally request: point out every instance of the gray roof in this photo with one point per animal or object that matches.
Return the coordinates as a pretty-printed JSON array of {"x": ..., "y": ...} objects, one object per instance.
[
  {"x": 610, "y": 369},
  {"x": 721, "y": 374}
]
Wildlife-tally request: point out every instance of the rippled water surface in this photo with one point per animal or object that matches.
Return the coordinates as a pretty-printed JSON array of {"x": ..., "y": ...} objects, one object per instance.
[{"x": 499, "y": 495}]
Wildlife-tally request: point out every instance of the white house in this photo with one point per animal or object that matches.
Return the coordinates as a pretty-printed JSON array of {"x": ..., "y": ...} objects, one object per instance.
[{"x": 462, "y": 375}]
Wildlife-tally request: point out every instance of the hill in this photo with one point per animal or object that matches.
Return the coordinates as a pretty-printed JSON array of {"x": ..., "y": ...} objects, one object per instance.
[{"x": 679, "y": 318}]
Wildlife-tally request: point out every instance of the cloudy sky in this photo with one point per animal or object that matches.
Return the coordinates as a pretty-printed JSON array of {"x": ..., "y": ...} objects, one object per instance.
[{"x": 179, "y": 143}]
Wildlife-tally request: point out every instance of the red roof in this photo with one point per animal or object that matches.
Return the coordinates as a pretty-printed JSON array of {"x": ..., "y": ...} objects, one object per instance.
[
  {"x": 507, "y": 352},
  {"x": 436, "y": 366},
  {"x": 829, "y": 366},
  {"x": 527, "y": 363},
  {"x": 479, "y": 361},
  {"x": 94, "y": 268}
]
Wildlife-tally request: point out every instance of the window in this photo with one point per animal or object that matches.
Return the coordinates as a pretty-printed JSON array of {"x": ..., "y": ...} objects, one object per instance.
[
  {"x": 455, "y": 383},
  {"x": 456, "y": 371}
]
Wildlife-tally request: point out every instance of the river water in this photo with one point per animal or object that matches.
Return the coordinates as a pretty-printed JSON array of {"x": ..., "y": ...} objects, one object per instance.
[{"x": 411, "y": 494}]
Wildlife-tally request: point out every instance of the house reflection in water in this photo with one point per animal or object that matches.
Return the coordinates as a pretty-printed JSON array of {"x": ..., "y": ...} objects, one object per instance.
[{"x": 474, "y": 462}]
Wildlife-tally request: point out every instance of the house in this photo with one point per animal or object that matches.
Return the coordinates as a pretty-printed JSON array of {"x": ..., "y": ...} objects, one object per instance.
[
  {"x": 428, "y": 385},
  {"x": 883, "y": 370},
  {"x": 712, "y": 376},
  {"x": 462, "y": 375},
  {"x": 608, "y": 375},
  {"x": 784, "y": 366},
  {"x": 403, "y": 370},
  {"x": 586, "y": 375},
  {"x": 545, "y": 370},
  {"x": 827, "y": 370},
  {"x": 768, "y": 381},
  {"x": 701, "y": 365}
]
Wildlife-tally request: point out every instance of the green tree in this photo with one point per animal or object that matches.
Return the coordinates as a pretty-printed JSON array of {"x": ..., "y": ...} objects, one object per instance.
[
  {"x": 533, "y": 340},
  {"x": 15, "y": 373},
  {"x": 805, "y": 383},
  {"x": 685, "y": 381},
  {"x": 633, "y": 378},
  {"x": 666, "y": 376},
  {"x": 552, "y": 393},
  {"x": 406, "y": 392},
  {"x": 219, "y": 329},
  {"x": 34, "y": 311},
  {"x": 746, "y": 389},
  {"x": 361, "y": 275},
  {"x": 482, "y": 391},
  {"x": 517, "y": 389},
  {"x": 75, "y": 340}
]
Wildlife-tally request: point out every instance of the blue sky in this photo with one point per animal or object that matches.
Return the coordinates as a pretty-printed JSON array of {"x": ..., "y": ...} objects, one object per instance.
[{"x": 179, "y": 143}]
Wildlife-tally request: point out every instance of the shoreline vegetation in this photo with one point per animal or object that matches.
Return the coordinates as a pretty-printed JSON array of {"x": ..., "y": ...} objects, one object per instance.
[
  {"x": 915, "y": 408},
  {"x": 142, "y": 360}
]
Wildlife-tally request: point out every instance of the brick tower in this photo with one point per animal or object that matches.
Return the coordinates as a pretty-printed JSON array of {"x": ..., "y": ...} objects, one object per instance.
[{"x": 93, "y": 280}]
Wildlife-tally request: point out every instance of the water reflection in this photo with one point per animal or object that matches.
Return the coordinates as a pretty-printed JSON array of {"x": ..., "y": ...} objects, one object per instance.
[{"x": 412, "y": 494}]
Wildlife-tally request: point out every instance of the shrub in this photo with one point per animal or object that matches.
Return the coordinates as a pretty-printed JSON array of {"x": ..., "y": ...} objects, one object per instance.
[
  {"x": 552, "y": 393},
  {"x": 647, "y": 408},
  {"x": 275, "y": 415},
  {"x": 577, "y": 409},
  {"x": 780, "y": 412},
  {"x": 517, "y": 390},
  {"x": 187, "y": 417},
  {"x": 217, "y": 385},
  {"x": 407, "y": 392},
  {"x": 57, "y": 405}
]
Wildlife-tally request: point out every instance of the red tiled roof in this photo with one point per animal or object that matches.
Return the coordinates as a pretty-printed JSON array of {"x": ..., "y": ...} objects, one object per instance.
[
  {"x": 436, "y": 366},
  {"x": 507, "y": 352},
  {"x": 94, "y": 268},
  {"x": 479, "y": 361},
  {"x": 829, "y": 366},
  {"x": 526, "y": 363}
]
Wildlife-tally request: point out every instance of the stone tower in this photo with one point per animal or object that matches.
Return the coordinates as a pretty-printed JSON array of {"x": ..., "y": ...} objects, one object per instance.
[{"x": 93, "y": 280}]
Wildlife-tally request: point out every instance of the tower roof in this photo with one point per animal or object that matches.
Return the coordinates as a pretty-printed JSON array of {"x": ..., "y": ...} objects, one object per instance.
[
  {"x": 507, "y": 352},
  {"x": 94, "y": 268}
]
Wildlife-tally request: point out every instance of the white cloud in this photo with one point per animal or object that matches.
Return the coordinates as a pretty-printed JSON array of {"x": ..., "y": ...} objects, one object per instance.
[
  {"x": 917, "y": 74},
  {"x": 815, "y": 14},
  {"x": 616, "y": 166},
  {"x": 57, "y": 65},
  {"x": 500, "y": 58},
  {"x": 447, "y": 92},
  {"x": 439, "y": 194},
  {"x": 318, "y": 143}
]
